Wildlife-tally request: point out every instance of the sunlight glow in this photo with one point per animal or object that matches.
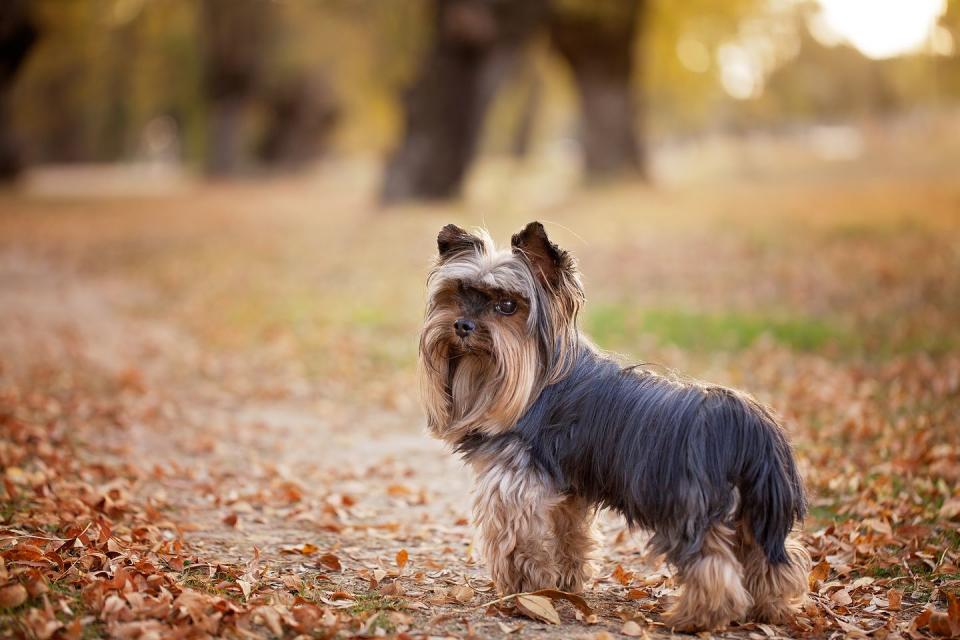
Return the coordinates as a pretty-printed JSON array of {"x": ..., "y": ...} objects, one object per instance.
[{"x": 879, "y": 28}]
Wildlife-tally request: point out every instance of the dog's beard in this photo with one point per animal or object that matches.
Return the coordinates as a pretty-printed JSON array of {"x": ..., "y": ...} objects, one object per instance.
[{"x": 481, "y": 386}]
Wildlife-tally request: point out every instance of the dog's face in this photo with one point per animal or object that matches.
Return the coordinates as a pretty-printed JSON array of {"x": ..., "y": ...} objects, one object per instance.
[{"x": 500, "y": 324}]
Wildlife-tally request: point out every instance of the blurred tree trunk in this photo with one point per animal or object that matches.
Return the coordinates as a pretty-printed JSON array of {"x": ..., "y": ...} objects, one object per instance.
[
  {"x": 302, "y": 114},
  {"x": 524, "y": 129},
  {"x": 17, "y": 35},
  {"x": 236, "y": 35},
  {"x": 475, "y": 45},
  {"x": 597, "y": 42}
]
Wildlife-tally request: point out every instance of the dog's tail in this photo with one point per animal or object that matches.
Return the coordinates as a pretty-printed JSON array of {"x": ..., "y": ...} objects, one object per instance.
[{"x": 763, "y": 469}]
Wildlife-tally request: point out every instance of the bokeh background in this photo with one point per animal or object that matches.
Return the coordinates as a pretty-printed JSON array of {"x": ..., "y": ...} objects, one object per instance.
[{"x": 217, "y": 216}]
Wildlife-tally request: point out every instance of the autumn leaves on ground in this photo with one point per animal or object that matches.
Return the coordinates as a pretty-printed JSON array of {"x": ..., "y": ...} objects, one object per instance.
[{"x": 210, "y": 424}]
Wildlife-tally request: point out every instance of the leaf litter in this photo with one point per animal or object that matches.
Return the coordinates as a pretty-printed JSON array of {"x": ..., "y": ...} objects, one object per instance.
[{"x": 178, "y": 493}]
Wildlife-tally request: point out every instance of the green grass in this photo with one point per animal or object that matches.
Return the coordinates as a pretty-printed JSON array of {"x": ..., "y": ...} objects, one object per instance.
[
  {"x": 892, "y": 571},
  {"x": 373, "y": 604},
  {"x": 10, "y": 508},
  {"x": 827, "y": 515},
  {"x": 201, "y": 583},
  {"x": 620, "y": 325},
  {"x": 373, "y": 601}
]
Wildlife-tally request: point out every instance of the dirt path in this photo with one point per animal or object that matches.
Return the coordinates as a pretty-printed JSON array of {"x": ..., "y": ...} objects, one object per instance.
[
  {"x": 213, "y": 377},
  {"x": 324, "y": 493}
]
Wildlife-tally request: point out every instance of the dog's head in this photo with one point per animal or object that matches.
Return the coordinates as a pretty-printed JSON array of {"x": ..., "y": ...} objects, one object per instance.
[{"x": 500, "y": 324}]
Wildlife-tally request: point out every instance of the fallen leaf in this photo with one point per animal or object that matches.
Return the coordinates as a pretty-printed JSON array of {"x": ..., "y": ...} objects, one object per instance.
[
  {"x": 879, "y": 526},
  {"x": 329, "y": 561},
  {"x": 622, "y": 576},
  {"x": 950, "y": 509},
  {"x": 246, "y": 586},
  {"x": 637, "y": 594},
  {"x": 841, "y": 597},
  {"x": 894, "y": 597},
  {"x": 462, "y": 593},
  {"x": 537, "y": 607},
  {"x": 953, "y": 613},
  {"x": 12, "y": 595},
  {"x": 818, "y": 574},
  {"x": 631, "y": 628},
  {"x": 572, "y": 598},
  {"x": 231, "y": 519},
  {"x": 402, "y": 557}
]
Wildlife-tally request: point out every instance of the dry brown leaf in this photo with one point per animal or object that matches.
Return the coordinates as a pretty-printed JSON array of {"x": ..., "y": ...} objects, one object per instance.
[
  {"x": 537, "y": 607},
  {"x": 12, "y": 595},
  {"x": 953, "y": 613},
  {"x": 818, "y": 574},
  {"x": 637, "y": 594},
  {"x": 937, "y": 622},
  {"x": 36, "y": 584},
  {"x": 572, "y": 598},
  {"x": 894, "y": 598},
  {"x": 841, "y": 597},
  {"x": 880, "y": 526},
  {"x": 462, "y": 593},
  {"x": 622, "y": 576},
  {"x": 507, "y": 629},
  {"x": 402, "y": 557},
  {"x": 632, "y": 629},
  {"x": 950, "y": 509},
  {"x": 329, "y": 561},
  {"x": 392, "y": 589}
]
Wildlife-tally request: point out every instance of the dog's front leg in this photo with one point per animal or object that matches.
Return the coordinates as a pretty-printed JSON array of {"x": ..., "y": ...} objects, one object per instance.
[
  {"x": 512, "y": 505},
  {"x": 573, "y": 529}
]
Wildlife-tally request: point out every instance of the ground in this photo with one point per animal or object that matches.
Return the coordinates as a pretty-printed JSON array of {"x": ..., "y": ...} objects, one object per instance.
[{"x": 211, "y": 427}]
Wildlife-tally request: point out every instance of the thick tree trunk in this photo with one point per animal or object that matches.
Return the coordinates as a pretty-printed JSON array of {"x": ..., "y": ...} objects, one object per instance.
[
  {"x": 598, "y": 46},
  {"x": 524, "y": 129},
  {"x": 236, "y": 35},
  {"x": 302, "y": 115},
  {"x": 475, "y": 45},
  {"x": 17, "y": 35}
]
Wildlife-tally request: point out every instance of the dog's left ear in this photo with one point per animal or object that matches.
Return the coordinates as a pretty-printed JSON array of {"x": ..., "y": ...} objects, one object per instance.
[
  {"x": 453, "y": 240},
  {"x": 549, "y": 262}
]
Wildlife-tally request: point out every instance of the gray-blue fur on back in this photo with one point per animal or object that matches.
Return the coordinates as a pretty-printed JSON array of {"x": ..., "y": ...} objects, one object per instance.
[{"x": 671, "y": 456}]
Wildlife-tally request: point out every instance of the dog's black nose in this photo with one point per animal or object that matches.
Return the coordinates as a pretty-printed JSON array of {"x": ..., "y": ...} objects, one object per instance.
[{"x": 464, "y": 327}]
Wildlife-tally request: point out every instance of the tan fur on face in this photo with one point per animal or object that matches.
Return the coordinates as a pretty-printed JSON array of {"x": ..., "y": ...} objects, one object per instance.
[
  {"x": 778, "y": 590},
  {"x": 713, "y": 592},
  {"x": 488, "y": 389}
]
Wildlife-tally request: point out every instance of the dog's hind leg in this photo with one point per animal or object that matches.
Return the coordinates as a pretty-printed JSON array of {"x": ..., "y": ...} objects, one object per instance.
[
  {"x": 778, "y": 590},
  {"x": 713, "y": 593},
  {"x": 573, "y": 529},
  {"x": 513, "y": 501}
]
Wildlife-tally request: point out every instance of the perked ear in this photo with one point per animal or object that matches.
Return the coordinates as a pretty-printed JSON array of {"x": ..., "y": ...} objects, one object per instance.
[
  {"x": 549, "y": 261},
  {"x": 452, "y": 240}
]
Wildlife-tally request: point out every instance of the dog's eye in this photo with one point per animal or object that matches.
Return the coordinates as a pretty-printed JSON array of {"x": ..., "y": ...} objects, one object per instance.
[{"x": 505, "y": 307}]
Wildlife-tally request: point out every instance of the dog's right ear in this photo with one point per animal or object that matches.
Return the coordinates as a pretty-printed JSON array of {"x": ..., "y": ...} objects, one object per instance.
[
  {"x": 453, "y": 240},
  {"x": 549, "y": 262}
]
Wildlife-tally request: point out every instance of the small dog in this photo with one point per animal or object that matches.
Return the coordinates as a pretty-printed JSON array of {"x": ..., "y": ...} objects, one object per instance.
[{"x": 554, "y": 430}]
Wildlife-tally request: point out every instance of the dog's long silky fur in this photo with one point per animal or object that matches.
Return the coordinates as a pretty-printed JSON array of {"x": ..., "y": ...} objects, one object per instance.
[
  {"x": 554, "y": 429},
  {"x": 670, "y": 456}
]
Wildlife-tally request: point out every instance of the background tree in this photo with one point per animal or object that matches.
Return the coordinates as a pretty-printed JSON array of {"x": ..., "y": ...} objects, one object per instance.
[
  {"x": 597, "y": 40},
  {"x": 475, "y": 44},
  {"x": 236, "y": 37},
  {"x": 17, "y": 35}
]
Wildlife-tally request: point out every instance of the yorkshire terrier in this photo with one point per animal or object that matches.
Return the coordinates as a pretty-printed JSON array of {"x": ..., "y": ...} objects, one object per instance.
[{"x": 556, "y": 430}]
